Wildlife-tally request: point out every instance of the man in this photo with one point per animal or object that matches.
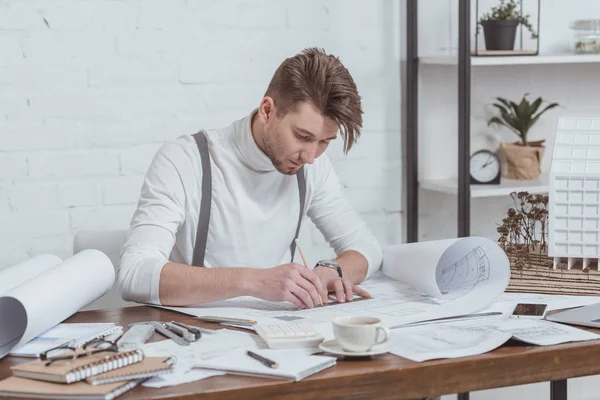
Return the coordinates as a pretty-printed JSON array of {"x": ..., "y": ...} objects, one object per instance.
[{"x": 219, "y": 211}]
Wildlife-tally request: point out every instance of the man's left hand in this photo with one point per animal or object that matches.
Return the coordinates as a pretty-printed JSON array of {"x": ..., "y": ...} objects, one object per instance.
[{"x": 343, "y": 288}]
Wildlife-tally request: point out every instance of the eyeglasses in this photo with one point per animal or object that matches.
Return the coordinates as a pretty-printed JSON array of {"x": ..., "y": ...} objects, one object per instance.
[{"x": 66, "y": 354}]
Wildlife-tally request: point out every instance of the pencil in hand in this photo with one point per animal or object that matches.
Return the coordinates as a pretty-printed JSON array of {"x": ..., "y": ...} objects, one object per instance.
[{"x": 306, "y": 265}]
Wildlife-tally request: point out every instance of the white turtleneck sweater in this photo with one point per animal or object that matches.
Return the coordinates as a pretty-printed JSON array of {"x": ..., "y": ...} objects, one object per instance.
[{"x": 254, "y": 211}]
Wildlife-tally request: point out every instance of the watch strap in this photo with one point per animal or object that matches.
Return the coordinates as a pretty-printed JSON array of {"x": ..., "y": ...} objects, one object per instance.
[{"x": 332, "y": 265}]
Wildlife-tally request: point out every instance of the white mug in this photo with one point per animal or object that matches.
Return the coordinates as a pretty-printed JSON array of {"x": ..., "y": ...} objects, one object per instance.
[{"x": 360, "y": 333}]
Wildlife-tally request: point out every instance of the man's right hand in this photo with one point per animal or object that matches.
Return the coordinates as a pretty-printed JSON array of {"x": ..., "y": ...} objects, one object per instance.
[{"x": 288, "y": 282}]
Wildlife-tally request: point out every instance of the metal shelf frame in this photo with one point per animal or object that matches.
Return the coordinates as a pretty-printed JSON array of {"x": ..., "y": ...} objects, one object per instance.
[
  {"x": 410, "y": 122},
  {"x": 410, "y": 133}
]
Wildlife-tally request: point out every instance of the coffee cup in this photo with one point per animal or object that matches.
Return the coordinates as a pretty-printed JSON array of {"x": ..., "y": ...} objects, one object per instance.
[{"x": 359, "y": 333}]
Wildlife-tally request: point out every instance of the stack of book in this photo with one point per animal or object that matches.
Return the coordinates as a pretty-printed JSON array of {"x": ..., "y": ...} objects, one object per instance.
[{"x": 104, "y": 375}]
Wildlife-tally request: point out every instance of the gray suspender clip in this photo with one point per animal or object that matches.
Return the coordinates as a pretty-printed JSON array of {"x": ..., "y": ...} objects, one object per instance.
[{"x": 204, "y": 217}]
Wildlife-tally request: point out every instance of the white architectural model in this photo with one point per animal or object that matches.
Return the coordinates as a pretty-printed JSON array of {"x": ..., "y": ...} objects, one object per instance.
[{"x": 574, "y": 192}]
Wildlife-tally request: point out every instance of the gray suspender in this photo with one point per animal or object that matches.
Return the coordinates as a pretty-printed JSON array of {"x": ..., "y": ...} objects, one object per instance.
[
  {"x": 302, "y": 192},
  {"x": 204, "y": 217}
]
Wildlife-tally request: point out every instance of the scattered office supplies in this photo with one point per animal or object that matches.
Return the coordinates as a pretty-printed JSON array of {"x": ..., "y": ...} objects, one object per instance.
[
  {"x": 43, "y": 291},
  {"x": 263, "y": 360},
  {"x": 136, "y": 336},
  {"x": 140, "y": 332},
  {"x": 78, "y": 369},
  {"x": 66, "y": 334},
  {"x": 293, "y": 366},
  {"x": 21, "y": 387},
  {"x": 149, "y": 367},
  {"x": 286, "y": 336},
  {"x": 210, "y": 346}
]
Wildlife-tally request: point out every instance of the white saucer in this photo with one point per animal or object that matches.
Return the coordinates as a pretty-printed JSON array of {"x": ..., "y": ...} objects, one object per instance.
[{"x": 333, "y": 347}]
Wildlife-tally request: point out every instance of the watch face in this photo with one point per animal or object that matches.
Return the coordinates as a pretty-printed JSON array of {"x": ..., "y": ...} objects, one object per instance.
[{"x": 484, "y": 166}]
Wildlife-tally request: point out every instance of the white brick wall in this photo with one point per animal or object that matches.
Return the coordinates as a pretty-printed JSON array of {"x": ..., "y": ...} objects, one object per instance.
[{"x": 90, "y": 89}]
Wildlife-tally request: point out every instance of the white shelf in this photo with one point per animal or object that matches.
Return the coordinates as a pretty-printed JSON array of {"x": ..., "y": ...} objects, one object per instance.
[
  {"x": 505, "y": 188},
  {"x": 515, "y": 60}
]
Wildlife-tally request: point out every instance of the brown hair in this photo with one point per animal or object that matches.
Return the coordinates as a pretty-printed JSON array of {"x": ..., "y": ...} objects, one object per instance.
[{"x": 321, "y": 78}]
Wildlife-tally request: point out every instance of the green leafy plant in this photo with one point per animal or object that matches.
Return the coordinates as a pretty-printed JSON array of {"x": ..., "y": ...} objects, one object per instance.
[
  {"x": 507, "y": 11},
  {"x": 519, "y": 118}
]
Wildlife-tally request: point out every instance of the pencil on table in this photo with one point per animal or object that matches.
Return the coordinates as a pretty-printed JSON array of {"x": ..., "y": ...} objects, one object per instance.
[{"x": 306, "y": 265}]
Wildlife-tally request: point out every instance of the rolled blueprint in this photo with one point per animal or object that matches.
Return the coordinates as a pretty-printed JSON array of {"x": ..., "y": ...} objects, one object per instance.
[
  {"x": 48, "y": 292},
  {"x": 463, "y": 274}
]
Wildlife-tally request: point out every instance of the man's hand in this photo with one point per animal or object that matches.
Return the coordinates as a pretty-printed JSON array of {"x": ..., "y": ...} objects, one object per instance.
[
  {"x": 343, "y": 288},
  {"x": 288, "y": 282}
]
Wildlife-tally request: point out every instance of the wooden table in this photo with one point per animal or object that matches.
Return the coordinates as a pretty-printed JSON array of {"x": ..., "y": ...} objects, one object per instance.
[{"x": 387, "y": 377}]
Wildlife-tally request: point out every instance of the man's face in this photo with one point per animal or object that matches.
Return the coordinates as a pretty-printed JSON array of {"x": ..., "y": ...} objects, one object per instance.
[{"x": 298, "y": 138}]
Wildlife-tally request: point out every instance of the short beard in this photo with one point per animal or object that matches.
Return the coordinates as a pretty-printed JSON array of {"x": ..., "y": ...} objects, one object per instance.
[{"x": 271, "y": 150}]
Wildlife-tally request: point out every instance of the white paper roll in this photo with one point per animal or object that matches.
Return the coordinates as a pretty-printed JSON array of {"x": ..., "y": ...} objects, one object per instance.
[
  {"x": 416, "y": 263},
  {"x": 52, "y": 296},
  {"x": 13, "y": 276}
]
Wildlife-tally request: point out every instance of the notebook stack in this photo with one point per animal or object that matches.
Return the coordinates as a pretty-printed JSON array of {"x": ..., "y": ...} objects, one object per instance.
[{"x": 100, "y": 376}]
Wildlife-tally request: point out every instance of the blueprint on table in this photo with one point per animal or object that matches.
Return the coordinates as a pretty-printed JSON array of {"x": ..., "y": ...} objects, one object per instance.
[{"x": 418, "y": 282}]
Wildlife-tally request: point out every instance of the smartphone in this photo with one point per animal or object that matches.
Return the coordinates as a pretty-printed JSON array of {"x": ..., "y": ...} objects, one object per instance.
[{"x": 530, "y": 310}]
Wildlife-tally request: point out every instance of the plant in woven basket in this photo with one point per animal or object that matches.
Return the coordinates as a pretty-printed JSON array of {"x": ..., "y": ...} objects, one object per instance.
[
  {"x": 524, "y": 157},
  {"x": 519, "y": 118}
]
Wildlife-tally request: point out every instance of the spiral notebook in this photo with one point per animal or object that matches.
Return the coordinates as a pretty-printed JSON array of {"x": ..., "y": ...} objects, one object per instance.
[
  {"x": 29, "y": 388},
  {"x": 293, "y": 366},
  {"x": 77, "y": 369},
  {"x": 149, "y": 367}
]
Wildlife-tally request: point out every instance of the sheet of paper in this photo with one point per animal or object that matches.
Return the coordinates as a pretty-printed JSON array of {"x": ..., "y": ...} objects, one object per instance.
[
  {"x": 393, "y": 302},
  {"x": 180, "y": 376},
  {"x": 444, "y": 341},
  {"x": 471, "y": 337},
  {"x": 207, "y": 347},
  {"x": 39, "y": 303},
  {"x": 538, "y": 332}
]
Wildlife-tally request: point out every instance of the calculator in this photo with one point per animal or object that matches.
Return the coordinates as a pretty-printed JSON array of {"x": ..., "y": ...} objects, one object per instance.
[{"x": 289, "y": 336}]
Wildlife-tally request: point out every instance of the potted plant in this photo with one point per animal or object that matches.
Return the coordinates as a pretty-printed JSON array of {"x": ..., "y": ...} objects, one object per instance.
[
  {"x": 500, "y": 25},
  {"x": 523, "y": 157}
]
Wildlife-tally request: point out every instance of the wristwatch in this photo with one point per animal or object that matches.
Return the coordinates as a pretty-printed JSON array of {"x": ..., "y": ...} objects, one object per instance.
[{"x": 330, "y": 264}]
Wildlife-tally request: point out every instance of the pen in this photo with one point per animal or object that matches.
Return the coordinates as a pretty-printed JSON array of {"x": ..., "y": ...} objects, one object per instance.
[
  {"x": 264, "y": 361},
  {"x": 306, "y": 265},
  {"x": 226, "y": 320},
  {"x": 449, "y": 319}
]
